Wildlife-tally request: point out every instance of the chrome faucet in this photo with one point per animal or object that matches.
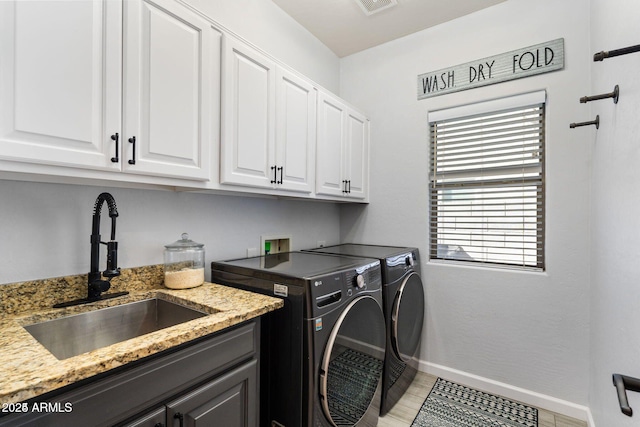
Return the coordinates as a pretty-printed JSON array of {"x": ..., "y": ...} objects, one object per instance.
[{"x": 95, "y": 283}]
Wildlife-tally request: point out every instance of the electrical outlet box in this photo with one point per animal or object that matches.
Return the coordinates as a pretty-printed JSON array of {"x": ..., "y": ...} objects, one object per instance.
[{"x": 275, "y": 244}]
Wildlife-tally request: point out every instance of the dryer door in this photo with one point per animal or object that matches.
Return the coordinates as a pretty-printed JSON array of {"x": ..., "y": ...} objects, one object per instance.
[
  {"x": 407, "y": 317},
  {"x": 352, "y": 363}
]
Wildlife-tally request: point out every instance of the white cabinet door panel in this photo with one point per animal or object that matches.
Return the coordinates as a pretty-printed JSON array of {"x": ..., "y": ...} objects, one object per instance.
[
  {"x": 330, "y": 146},
  {"x": 357, "y": 171},
  {"x": 168, "y": 71},
  {"x": 296, "y": 132},
  {"x": 248, "y": 116},
  {"x": 60, "y": 90}
]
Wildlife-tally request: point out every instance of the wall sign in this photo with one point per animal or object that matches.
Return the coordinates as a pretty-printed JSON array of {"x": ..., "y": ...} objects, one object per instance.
[{"x": 525, "y": 62}]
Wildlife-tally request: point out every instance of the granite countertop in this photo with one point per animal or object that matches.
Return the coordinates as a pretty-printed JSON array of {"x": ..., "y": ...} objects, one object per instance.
[{"x": 29, "y": 370}]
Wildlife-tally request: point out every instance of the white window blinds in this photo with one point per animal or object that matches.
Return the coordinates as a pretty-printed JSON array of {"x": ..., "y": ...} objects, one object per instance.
[{"x": 487, "y": 182}]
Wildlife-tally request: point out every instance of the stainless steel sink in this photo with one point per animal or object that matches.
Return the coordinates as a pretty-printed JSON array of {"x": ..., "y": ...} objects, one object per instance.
[{"x": 76, "y": 334}]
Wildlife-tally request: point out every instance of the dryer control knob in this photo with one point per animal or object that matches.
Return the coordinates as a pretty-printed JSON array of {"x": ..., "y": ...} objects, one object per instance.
[
  {"x": 360, "y": 283},
  {"x": 409, "y": 261}
]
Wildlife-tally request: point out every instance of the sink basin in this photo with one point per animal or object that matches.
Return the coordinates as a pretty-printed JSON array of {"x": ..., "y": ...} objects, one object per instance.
[{"x": 76, "y": 334}]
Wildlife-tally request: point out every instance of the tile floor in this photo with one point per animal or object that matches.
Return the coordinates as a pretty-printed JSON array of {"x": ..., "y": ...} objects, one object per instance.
[{"x": 403, "y": 413}]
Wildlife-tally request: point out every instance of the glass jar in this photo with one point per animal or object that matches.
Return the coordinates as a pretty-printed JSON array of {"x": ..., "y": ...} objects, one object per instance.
[{"x": 184, "y": 264}]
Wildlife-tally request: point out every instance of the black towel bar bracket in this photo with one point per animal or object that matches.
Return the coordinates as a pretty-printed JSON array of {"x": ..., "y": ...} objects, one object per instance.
[
  {"x": 616, "y": 52},
  {"x": 622, "y": 384},
  {"x": 595, "y": 122},
  {"x": 615, "y": 95}
]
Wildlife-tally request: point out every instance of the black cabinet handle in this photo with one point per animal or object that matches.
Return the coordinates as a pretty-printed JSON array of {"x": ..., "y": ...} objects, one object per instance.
[
  {"x": 115, "y": 137},
  {"x": 132, "y": 140},
  {"x": 622, "y": 384},
  {"x": 349, "y": 188},
  {"x": 344, "y": 186},
  {"x": 274, "y": 180},
  {"x": 281, "y": 174},
  {"x": 179, "y": 416}
]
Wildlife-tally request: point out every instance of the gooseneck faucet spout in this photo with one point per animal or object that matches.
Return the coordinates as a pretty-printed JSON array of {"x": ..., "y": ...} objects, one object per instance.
[{"x": 96, "y": 284}]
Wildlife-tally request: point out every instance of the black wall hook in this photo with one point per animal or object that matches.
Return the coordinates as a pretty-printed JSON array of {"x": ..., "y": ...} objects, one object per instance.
[
  {"x": 622, "y": 384},
  {"x": 615, "y": 95},
  {"x": 616, "y": 52},
  {"x": 593, "y": 122}
]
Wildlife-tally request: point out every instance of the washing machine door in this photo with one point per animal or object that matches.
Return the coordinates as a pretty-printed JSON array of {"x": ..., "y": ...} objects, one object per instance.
[
  {"x": 352, "y": 364},
  {"x": 407, "y": 317}
]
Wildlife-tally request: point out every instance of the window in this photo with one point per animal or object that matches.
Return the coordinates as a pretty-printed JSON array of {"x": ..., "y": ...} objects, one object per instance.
[{"x": 486, "y": 192}]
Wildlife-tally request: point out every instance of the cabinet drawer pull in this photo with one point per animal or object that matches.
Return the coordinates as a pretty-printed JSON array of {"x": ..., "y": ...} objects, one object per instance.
[
  {"x": 115, "y": 137},
  {"x": 274, "y": 180},
  {"x": 180, "y": 417},
  {"x": 349, "y": 186},
  {"x": 281, "y": 174},
  {"x": 132, "y": 140}
]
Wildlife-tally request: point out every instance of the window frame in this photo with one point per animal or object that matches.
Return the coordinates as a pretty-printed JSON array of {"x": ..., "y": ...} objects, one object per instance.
[{"x": 535, "y": 179}]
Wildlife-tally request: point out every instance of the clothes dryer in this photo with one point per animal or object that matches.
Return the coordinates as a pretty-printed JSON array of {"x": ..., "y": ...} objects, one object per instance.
[
  {"x": 322, "y": 355},
  {"x": 404, "y": 308}
]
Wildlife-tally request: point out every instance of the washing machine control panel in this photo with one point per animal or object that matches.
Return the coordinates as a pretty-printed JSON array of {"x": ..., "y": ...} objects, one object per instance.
[
  {"x": 400, "y": 264},
  {"x": 332, "y": 288}
]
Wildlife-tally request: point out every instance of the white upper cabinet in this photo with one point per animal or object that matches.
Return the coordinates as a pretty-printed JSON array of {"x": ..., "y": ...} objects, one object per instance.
[
  {"x": 356, "y": 170},
  {"x": 169, "y": 73},
  {"x": 68, "y": 98},
  {"x": 295, "y": 133},
  {"x": 60, "y": 91},
  {"x": 343, "y": 150},
  {"x": 331, "y": 140},
  {"x": 152, "y": 92},
  {"x": 268, "y": 123},
  {"x": 248, "y": 116}
]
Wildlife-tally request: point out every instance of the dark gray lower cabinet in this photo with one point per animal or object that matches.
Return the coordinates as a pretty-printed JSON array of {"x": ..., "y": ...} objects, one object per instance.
[
  {"x": 223, "y": 402},
  {"x": 211, "y": 383}
]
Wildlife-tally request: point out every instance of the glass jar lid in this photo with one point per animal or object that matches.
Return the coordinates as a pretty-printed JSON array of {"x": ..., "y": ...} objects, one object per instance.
[{"x": 184, "y": 243}]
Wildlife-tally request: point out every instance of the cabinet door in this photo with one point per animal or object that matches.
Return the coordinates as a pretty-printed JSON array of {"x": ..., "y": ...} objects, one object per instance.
[
  {"x": 169, "y": 80},
  {"x": 248, "y": 117},
  {"x": 357, "y": 155},
  {"x": 229, "y": 401},
  {"x": 331, "y": 135},
  {"x": 295, "y": 133},
  {"x": 60, "y": 85}
]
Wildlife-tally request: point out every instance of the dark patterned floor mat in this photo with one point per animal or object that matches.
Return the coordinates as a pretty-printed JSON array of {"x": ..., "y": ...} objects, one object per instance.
[{"x": 453, "y": 405}]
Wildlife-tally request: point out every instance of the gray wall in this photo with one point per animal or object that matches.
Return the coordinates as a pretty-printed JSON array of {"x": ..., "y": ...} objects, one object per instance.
[
  {"x": 528, "y": 330},
  {"x": 45, "y": 228},
  {"x": 271, "y": 29},
  {"x": 615, "y": 211}
]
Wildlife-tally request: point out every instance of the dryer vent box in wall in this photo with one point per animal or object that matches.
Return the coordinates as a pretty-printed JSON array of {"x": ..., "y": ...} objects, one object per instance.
[
  {"x": 369, "y": 7},
  {"x": 275, "y": 244}
]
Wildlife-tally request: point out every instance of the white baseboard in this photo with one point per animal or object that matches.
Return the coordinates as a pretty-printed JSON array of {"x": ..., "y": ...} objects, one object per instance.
[{"x": 528, "y": 397}]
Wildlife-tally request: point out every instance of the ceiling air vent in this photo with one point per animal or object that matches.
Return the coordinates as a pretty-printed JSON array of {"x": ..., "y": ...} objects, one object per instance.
[{"x": 369, "y": 7}]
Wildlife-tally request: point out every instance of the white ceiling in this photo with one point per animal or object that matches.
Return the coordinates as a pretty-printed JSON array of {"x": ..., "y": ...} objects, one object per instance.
[{"x": 343, "y": 26}]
